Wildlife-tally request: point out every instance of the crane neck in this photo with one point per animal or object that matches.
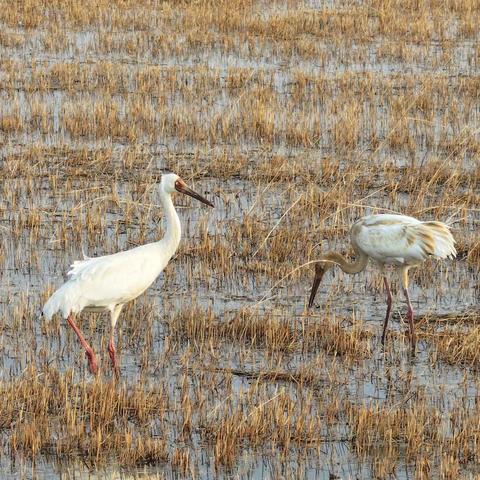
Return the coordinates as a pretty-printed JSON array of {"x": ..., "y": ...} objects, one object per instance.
[
  {"x": 334, "y": 258},
  {"x": 173, "y": 230}
]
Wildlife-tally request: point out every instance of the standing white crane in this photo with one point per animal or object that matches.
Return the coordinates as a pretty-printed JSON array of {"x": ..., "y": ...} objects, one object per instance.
[
  {"x": 107, "y": 283},
  {"x": 390, "y": 239}
]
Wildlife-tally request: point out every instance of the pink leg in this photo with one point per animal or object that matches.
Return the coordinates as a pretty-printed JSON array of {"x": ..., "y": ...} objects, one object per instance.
[
  {"x": 92, "y": 361},
  {"x": 389, "y": 308},
  {"x": 410, "y": 320},
  {"x": 114, "y": 313},
  {"x": 113, "y": 358}
]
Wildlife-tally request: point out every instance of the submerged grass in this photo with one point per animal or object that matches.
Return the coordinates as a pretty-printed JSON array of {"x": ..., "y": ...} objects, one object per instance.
[{"x": 316, "y": 117}]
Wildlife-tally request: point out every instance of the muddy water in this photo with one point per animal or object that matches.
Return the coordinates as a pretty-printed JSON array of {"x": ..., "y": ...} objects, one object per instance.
[
  {"x": 380, "y": 378},
  {"x": 387, "y": 379}
]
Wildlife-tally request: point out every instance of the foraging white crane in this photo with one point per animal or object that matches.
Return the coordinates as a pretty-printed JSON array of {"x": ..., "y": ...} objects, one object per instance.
[
  {"x": 390, "y": 239},
  {"x": 107, "y": 283}
]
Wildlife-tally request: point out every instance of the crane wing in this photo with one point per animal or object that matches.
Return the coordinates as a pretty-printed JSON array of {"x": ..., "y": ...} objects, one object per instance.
[
  {"x": 113, "y": 278},
  {"x": 110, "y": 280},
  {"x": 402, "y": 240}
]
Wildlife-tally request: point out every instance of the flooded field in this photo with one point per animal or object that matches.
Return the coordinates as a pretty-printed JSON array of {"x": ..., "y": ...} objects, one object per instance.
[{"x": 295, "y": 119}]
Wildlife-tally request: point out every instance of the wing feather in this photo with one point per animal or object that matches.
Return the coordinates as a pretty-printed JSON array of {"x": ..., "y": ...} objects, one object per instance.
[
  {"x": 111, "y": 278},
  {"x": 402, "y": 240}
]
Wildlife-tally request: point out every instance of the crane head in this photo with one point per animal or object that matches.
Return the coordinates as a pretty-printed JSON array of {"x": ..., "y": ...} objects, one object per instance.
[
  {"x": 171, "y": 183},
  {"x": 319, "y": 271}
]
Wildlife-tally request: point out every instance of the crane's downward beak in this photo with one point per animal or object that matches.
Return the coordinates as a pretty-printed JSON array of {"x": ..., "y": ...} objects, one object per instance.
[
  {"x": 319, "y": 271},
  {"x": 182, "y": 188}
]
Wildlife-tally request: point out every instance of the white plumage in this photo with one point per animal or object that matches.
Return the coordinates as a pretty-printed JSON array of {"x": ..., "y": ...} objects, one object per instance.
[
  {"x": 402, "y": 240},
  {"x": 108, "y": 282},
  {"x": 390, "y": 240},
  {"x": 104, "y": 282}
]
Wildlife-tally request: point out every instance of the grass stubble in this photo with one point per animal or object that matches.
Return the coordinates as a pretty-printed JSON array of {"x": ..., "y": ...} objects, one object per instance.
[{"x": 316, "y": 118}]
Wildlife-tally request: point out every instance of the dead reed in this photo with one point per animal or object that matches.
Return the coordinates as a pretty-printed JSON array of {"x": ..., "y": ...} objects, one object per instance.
[{"x": 297, "y": 120}]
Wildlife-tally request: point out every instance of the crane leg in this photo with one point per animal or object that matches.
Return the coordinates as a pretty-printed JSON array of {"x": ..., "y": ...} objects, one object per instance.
[
  {"x": 410, "y": 320},
  {"x": 92, "y": 360},
  {"x": 404, "y": 279},
  {"x": 113, "y": 357},
  {"x": 389, "y": 308},
  {"x": 114, "y": 314}
]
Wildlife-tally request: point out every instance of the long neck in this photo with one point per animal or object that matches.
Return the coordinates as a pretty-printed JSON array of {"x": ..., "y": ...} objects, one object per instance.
[
  {"x": 356, "y": 266},
  {"x": 173, "y": 230}
]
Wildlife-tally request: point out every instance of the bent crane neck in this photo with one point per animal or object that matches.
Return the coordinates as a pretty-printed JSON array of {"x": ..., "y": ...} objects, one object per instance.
[{"x": 359, "y": 264}]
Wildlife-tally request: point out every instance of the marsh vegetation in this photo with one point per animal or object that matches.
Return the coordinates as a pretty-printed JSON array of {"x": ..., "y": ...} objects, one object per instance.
[{"x": 297, "y": 118}]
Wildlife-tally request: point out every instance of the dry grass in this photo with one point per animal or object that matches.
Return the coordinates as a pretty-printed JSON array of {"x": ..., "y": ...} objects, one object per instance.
[
  {"x": 270, "y": 333},
  {"x": 50, "y": 414},
  {"x": 296, "y": 120}
]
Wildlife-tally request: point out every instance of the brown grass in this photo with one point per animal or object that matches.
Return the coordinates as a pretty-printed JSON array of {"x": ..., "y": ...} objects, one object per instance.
[{"x": 296, "y": 121}]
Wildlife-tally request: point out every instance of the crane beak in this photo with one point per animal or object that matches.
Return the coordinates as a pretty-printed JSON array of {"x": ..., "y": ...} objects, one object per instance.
[
  {"x": 182, "y": 188},
  {"x": 319, "y": 271}
]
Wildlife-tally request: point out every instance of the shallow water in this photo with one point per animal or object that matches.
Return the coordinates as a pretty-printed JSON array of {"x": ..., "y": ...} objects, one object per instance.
[{"x": 102, "y": 207}]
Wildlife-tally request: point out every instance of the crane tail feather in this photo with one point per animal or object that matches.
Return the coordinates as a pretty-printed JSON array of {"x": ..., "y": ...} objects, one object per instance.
[
  {"x": 51, "y": 307},
  {"x": 443, "y": 241},
  {"x": 62, "y": 301}
]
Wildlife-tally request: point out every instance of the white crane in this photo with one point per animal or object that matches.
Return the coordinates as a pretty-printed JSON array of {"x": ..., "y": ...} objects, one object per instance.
[
  {"x": 107, "y": 283},
  {"x": 390, "y": 239}
]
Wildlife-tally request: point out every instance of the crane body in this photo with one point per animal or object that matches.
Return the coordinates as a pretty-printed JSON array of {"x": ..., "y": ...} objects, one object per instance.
[
  {"x": 388, "y": 239},
  {"x": 108, "y": 282}
]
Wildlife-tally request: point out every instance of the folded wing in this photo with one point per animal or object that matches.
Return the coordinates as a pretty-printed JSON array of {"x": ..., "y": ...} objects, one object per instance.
[{"x": 402, "y": 240}]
